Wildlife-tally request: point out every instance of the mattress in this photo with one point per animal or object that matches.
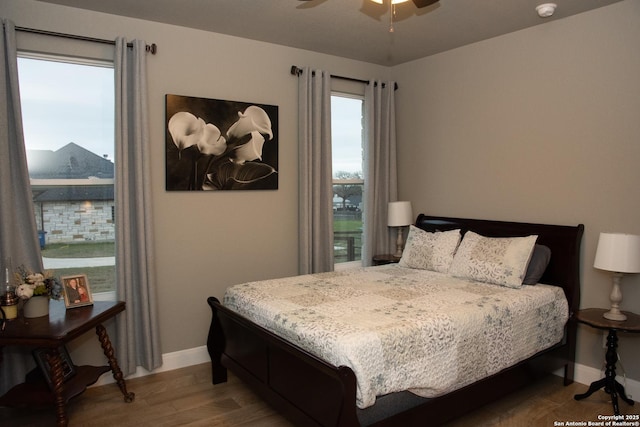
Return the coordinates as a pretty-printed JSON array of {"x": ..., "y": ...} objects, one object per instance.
[{"x": 402, "y": 329}]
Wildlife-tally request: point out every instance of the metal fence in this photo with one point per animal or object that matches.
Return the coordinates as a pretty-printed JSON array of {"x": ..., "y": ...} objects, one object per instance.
[{"x": 347, "y": 246}]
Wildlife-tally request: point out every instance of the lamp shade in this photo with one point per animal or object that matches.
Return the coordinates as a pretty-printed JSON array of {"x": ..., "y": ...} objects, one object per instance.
[
  {"x": 618, "y": 252},
  {"x": 399, "y": 214}
]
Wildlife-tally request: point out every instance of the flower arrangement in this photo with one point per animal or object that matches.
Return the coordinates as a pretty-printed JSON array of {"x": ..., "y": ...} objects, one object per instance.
[{"x": 33, "y": 284}]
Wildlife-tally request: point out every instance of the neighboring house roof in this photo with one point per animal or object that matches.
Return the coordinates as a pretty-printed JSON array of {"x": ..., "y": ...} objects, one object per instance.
[
  {"x": 74, "y": 193},
  {"x": 69, "y": 162}
]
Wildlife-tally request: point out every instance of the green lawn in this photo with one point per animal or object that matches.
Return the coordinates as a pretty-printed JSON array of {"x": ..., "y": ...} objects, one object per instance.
[
  {"x": 101, "y": 279},
  {"x": 79, "y": 250},
  {"x": 347, "y": 225}
]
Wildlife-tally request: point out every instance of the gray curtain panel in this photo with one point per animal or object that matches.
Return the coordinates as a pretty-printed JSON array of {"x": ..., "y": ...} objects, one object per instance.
[
  {"x": 380, "y": 170},
  {"x": 138, "y": 338},
  {"x": 18, "y": 232},
  {"x": 315, "y": 173}
]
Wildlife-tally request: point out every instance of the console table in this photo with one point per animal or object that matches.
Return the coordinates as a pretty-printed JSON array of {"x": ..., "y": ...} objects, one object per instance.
[
  {"x": 593, "y": 317},
  {"x": 50, "y": 333}
]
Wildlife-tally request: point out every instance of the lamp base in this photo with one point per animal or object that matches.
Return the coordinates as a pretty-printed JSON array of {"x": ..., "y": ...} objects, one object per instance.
[
  {"x": 616, "y": 298},
  {"x": 399, "y": 244},
  {"x": 614, "y": 315}
]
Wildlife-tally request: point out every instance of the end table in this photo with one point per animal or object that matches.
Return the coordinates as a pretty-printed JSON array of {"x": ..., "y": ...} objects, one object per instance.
[
  {"x": 50, "y": 333},
  {"x": 593, "y": 317}
]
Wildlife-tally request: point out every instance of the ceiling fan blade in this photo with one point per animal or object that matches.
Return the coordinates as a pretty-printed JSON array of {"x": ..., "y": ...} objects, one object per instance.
[
  {"x": 424, "y": 3},
  {"x": 418, "y": 3}
]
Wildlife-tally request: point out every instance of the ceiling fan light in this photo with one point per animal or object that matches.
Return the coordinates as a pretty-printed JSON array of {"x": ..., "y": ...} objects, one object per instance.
[{"x": 546, "y": 10}]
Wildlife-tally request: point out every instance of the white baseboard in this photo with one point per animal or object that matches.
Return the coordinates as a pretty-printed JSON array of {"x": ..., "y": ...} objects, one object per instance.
[
  {"x": 194, "y": 356},
  {"x": 586, "y": 375},
  {"x": 170, "y": 361}
]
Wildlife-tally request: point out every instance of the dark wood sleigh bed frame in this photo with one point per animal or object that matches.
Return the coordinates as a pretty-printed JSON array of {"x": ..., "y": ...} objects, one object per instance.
[{"x": 311, "y": 392}]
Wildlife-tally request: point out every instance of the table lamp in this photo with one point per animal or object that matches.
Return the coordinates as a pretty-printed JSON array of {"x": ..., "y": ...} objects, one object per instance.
[
  {"x": 619, "y": 253},
  {"x": 399, "y": 215}
]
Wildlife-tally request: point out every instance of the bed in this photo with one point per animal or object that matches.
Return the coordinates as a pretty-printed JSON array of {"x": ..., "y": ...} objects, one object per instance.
[{"x": 312, "y": 390}]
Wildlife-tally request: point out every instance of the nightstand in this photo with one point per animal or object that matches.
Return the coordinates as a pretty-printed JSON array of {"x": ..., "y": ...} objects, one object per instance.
[
  {"x": 593, "y": 317},
  {"x": 385, "y": 259},
  {"x": 50, "y": 333}
]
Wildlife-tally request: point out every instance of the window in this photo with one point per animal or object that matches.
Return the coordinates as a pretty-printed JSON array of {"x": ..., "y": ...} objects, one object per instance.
[
  {"x": 348, "y": 179},
  {"x": 68, "y": 120}
]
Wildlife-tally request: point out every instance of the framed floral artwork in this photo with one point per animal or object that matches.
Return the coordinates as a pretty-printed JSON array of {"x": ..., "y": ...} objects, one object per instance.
[
  {"x": 76, "y": 290},
  {"x": 214, "y": 145}
]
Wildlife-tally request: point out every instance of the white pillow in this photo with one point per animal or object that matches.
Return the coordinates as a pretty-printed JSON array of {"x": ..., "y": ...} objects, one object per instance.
[
  {"x": 430, "y": 251},
  {"x": 498, "y": 260}
]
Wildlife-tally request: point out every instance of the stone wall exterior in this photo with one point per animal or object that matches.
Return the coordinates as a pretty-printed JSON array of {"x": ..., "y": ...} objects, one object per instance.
[{"x": 67, "y": 222}]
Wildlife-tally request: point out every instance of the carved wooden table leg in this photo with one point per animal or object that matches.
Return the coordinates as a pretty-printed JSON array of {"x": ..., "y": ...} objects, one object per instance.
[
  {"x": 57, "y": 380},
  {"x": 113, "y": 362}
]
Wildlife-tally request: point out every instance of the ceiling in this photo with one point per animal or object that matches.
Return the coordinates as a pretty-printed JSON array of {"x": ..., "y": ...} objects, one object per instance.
[{"x": 356, "y": 29}]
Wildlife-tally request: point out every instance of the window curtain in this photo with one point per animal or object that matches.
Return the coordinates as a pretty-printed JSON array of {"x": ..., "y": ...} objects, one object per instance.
[
  {"x": 380, "y": 168},
  {"x": 18, "y": 231},
  {"x": 315, "y": 173},
  {"x": 138, "y": 338}
]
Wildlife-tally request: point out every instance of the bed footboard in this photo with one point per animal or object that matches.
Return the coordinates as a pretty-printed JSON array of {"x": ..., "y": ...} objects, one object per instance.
[
  {"x": 311, "y": 392},
  {"x": 302, "y": 387}
]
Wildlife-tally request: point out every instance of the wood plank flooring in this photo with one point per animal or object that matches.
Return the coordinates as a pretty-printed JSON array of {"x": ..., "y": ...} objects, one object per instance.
[{"x": 186, "y": 397}]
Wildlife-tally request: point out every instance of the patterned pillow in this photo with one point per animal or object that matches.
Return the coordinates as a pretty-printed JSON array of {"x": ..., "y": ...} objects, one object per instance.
[
  {"x": 499, "y": 260},
  {"x": 430, "y": 251}
]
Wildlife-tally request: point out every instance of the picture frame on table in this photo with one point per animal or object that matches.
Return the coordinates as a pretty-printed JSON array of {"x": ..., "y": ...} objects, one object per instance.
[
  {"x": 68, "y": 368},
  {"x": 76, "y": 290}
]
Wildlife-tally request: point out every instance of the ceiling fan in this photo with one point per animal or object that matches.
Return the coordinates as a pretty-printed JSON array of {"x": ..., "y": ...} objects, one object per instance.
[
  {"x": 418, "y": 3},
  {"x": 392, "y": 7}
]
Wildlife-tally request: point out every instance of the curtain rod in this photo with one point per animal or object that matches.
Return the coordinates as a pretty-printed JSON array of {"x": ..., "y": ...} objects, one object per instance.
[
  {"x": 152, "y": 48},
  {"x": 296, "y": 71}
]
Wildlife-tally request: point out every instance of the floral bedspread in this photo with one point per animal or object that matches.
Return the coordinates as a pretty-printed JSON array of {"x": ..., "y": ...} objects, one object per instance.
[{"x": 400, "y": 329}]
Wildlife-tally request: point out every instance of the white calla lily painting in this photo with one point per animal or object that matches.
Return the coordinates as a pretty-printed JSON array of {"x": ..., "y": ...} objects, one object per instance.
[{"x": 220, "y": 145}]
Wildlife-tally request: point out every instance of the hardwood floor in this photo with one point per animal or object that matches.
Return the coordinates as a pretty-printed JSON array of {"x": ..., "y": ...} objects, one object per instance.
[{"x": 186, "y": 397}]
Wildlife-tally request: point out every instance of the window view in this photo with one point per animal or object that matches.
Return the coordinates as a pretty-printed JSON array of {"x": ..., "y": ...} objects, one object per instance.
[
  {"x": 68, "y": 119},
  {"x": 348, "y": 179}
]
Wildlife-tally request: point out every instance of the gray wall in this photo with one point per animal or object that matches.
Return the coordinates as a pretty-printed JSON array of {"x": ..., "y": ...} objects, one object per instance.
[{"x": 541, "y": 125}]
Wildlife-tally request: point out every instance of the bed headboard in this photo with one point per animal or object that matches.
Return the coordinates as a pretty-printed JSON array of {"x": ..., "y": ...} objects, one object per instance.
[{"x": 564, "y": 241}]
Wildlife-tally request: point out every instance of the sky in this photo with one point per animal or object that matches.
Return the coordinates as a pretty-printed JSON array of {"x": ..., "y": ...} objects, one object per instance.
[
  {"x": 64, "y": 102},
  {"x": 346, "y": 132}
]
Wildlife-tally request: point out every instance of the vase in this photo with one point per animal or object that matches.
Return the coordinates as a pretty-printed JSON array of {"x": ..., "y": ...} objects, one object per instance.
[{"x": 36, "y": 306}]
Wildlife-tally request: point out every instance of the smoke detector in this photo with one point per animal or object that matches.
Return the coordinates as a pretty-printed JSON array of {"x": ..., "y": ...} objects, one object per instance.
[{"x": 545, "y": 10}]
